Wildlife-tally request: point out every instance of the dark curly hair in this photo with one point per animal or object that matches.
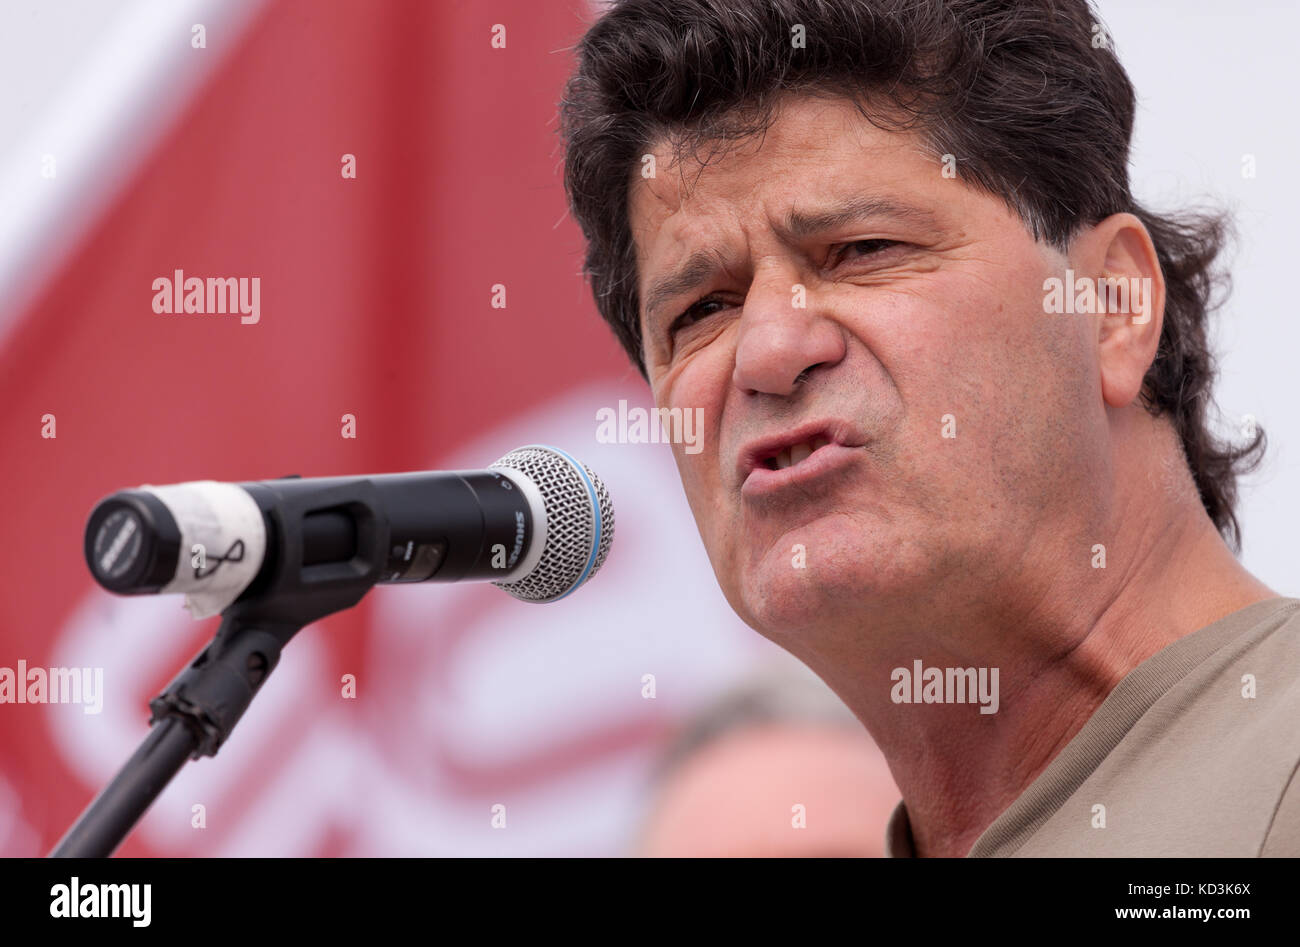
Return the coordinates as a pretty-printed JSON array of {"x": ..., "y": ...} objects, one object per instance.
[{"x": 1028, "y": 95}]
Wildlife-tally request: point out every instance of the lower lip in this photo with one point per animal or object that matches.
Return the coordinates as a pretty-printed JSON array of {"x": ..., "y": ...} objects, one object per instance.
[{"x": 762, "y": 482}]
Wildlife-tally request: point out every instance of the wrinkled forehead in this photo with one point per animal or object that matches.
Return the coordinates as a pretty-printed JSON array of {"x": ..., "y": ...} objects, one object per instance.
[
  {"x": 793, "y": 136},
  {"x": 813, "y": 158}
]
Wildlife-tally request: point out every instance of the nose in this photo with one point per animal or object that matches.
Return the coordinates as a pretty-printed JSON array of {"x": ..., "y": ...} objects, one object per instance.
[{"x": 779, "y": 341}]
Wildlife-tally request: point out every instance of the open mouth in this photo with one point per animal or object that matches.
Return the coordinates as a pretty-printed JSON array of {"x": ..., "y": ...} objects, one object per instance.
[
  {"x": 803, "y": 453},
  {"x": 794, "y": 454}
]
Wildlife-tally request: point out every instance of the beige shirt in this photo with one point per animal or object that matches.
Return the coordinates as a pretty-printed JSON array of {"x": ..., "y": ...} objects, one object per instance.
[{"x": 1178, "y": 761}]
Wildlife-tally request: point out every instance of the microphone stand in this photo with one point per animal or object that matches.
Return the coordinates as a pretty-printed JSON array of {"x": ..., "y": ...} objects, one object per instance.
[{"x": 193, "y": 717}]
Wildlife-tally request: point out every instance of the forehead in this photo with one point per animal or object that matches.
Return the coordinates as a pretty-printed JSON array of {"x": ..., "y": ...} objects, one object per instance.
[{"x": 814, "y": 147}]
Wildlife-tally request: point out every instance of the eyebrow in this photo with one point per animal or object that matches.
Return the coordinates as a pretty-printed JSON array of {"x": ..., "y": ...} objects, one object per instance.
[
  {"x": 803, "y": 224},
  {"x": 798, "y": 225},
  {"x": 698, "y": 268}
]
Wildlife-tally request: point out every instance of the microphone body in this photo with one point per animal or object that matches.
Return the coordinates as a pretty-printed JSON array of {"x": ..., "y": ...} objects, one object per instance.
[{"x": 218, "y": 542}]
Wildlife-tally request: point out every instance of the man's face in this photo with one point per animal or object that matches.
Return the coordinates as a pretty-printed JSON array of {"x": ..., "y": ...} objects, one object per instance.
[{"x": 859, "y": 303}]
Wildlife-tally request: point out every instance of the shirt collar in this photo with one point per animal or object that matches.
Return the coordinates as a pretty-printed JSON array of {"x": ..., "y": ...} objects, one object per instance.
[{"x": 898, "y": 834}]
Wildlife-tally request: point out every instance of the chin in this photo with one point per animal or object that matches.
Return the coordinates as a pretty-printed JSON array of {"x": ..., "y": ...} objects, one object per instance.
[{"x": 840, "y": 581}]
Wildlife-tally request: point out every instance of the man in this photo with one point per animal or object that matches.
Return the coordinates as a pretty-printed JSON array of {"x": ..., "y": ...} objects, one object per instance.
[{"x": 990, "y": 514}]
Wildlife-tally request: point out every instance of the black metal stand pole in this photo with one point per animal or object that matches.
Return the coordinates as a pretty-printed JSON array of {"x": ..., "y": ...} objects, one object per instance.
[
  {"x": 192, "y": 718},
  {"x": 116, "y": 810}
]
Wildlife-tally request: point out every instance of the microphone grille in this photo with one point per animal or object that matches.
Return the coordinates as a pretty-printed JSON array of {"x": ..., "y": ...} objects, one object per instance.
[{"x": 579, "y": 522}]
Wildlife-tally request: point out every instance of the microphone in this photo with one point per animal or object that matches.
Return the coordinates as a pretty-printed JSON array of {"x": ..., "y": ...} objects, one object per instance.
[{"x": 536, "y": 523}]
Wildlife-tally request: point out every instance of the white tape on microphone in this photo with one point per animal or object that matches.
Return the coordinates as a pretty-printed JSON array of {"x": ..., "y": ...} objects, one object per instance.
[{"x": 223, "y": 542}]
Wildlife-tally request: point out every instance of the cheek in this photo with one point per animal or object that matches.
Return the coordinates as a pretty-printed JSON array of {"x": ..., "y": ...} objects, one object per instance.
[
  {"x": 966, "y": 342},
  {"x": 698, "y": 388},
  {"x": 977, "y": 372},
  {"x": 1009, "y": 381}
]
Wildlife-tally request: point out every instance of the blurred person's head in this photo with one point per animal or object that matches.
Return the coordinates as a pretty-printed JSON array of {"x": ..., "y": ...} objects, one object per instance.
[{"x": 778, "y": 767}]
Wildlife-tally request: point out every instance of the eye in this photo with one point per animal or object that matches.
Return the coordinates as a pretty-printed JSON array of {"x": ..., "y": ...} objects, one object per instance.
[
  {"x": 860, "y": 248},
  {"x": 694, "y": 313}
]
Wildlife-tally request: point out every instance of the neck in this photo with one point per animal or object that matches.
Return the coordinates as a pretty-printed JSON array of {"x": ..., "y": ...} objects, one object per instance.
[{"x": 1059, "y": 653}]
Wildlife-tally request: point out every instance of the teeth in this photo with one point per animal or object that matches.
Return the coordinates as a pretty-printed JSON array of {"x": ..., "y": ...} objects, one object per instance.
[{"x": 797, "y": 453}]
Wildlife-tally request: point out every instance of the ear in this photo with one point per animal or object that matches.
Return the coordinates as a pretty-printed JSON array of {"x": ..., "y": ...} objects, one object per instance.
[{"x": 1118, "y": 259}]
